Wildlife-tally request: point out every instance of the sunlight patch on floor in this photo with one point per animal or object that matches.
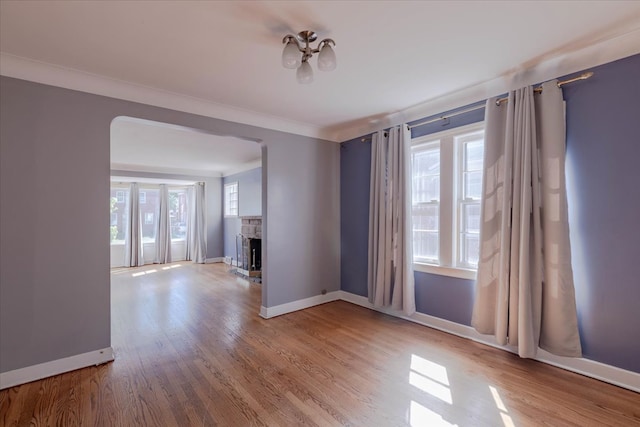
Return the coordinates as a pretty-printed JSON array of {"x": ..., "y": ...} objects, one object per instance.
[
  {"x": 420, "y": 416},
  {"x": 430, "y": 378},
  {"x": 506, "y": 419},
  {"x": 142, "y": 273},
  {"x": 428, "y": 386},
  {"x": 429, "y": 369}
]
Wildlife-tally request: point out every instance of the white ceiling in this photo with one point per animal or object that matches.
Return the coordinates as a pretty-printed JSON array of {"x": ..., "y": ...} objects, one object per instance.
[
  {"x": 143, "y": 145},
  {"x": 222, "y": 58}
]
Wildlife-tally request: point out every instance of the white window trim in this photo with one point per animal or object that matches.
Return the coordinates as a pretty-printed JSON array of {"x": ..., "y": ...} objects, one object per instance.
[
  {"x": 448, "y": 202},
  {"x": 460, "y": 273},
  {"x": 459, "y": 200}
]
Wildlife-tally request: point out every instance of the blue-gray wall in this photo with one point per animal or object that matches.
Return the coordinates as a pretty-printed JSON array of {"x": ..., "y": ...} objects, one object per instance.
[
  {"x": 249, "y": 204},
  {"x": 54, "y": 263},
  {"x": 603, "y": 178}
]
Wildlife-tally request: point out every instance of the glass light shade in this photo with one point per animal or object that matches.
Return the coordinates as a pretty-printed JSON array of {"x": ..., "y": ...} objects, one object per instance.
[
  {"x": 304, "y": 73},
  {"x": 326, "y": 58},
  {"x": 291, "y": 56}
]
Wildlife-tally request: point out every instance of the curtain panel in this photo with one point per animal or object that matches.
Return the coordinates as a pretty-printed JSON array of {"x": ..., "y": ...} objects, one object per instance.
[
  {"x": 196, "y": 227},
  {"x": 163, "y": 231},
  {"x": 524, "y": 290},
  {"x": 390, "y": 274},
  {"x": 133, "y": 238}
]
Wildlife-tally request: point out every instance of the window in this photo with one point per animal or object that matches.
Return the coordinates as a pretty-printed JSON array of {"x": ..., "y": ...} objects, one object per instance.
[
  {"x": 470, "y": 148},
  {"x": 447, "y": 186},
  {"x": 143, "y": 197},
  {"x": 119, "y": 211},
  {"x": 149, "y": 213},
  {"x": 148, "y": 217},
  {"x": 426, "y": 202},
  {"x": 178, "y": 213},
  {"x": 231, "y": 199}
]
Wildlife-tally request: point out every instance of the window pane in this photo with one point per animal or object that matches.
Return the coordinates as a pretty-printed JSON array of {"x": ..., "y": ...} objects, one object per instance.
[
  {"x": 231, "y": 199},
  {"x": 427, "y": 162},
  {"x": 178, "y": 213},
  {"x": 471, "y": 218},
  {"x": 470, "y": 249},
  {"x": 149, "y": 214},
  {"x": 472, "y": 185},
  {"x": 425, "y": 217},
  {"x": 426, "y": 175},
  {"x": 425, "y": 246},
  {"x": 425, "y": 232},
  {"x": 119, "y": 209},
  {"x": 426, "y": 188},
  {"x": 473, "y": 155}
]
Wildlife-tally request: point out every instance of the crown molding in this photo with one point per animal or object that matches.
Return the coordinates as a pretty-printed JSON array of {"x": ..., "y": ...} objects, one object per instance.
[
  {"x": 68, "y": 78},
  {"x": 571, "y": 61},
  {"x": 563, "y": 63},
  {"x": 123, "y": 168}
]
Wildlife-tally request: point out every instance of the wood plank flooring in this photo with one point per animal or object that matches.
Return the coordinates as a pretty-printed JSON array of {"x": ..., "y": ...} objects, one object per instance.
[{"x": 191, "y": 350}]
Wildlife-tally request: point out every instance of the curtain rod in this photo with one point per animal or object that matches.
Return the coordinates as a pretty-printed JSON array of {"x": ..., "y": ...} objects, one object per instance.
[
  {"x": 583, "y": 76},
  {"x": 499, "y": 101},
  {"x": 445, "y": 117}
]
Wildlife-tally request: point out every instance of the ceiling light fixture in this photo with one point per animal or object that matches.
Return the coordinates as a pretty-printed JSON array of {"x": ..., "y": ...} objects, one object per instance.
[{"x": 300, "y": 43}]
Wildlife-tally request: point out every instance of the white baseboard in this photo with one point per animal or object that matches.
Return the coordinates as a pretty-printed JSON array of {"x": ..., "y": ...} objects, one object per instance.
[
  {"x": 214, "y": 260},
  {"x": 590, "y": 368},
  {"x": 230, "y": 261},
  {"x": 278, "y": 310},
  {"x": 55, "y": 367}
]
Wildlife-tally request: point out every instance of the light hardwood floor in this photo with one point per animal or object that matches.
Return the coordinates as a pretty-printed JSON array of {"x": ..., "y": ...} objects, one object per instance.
[{"x": 191, "y": 350}]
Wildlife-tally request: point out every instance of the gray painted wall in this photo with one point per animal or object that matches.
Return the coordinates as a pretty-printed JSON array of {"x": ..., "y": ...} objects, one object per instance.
[
  {"x": 249, "y": 204},
  {"x": 303, "y": 215},
  {"x": 603, "y": 188},
  {"x": 213, "y": 196},
  {"x": 54, "y": 264}
]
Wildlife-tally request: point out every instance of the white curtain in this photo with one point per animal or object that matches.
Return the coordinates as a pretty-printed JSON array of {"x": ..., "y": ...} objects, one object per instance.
[
  {"x": 163, "y": 230},
  {"x": 524, "y": 291},
  {"x": 196, "y": 226},
  {"x": 390, "y": 276},
  {"x": 133, "y": 238}
]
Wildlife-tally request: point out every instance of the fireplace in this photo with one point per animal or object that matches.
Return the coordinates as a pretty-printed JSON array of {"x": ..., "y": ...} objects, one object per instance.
[{"x": 249, "y": 247}]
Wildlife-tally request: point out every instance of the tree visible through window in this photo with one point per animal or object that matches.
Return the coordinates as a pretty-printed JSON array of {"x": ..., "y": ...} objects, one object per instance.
[
  {"x": 119, "y": 210},
  {"x": 178, "y": 213}
]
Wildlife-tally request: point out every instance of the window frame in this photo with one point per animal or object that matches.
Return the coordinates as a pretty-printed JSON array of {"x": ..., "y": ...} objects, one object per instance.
[
  {"x": 185, "y": 190},
  {"x": 428, "y": 145},
  {"x": 450, "y": 217},
  {"x": 460, "y": 143},
  {"x": 226, "y": 205}
]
